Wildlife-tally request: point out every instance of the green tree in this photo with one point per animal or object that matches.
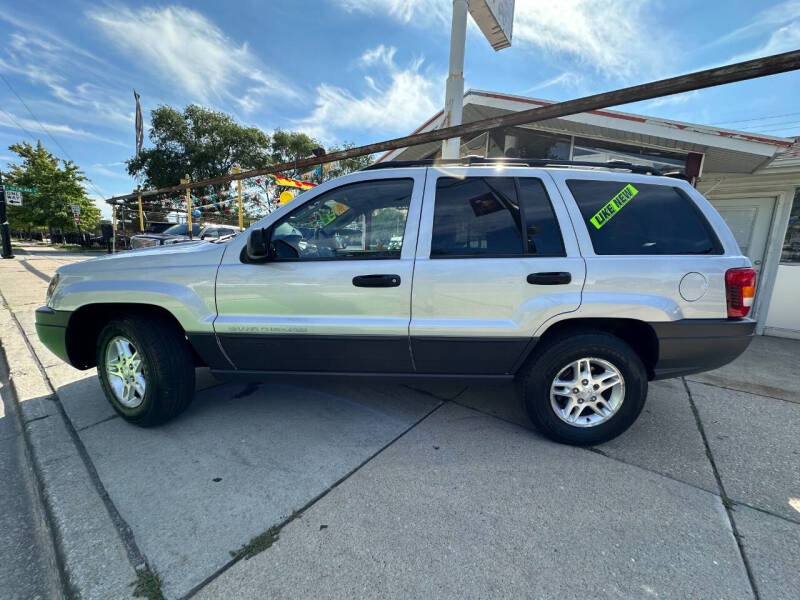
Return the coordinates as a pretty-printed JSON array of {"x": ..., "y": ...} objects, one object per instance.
[
  {"x": 291, "y": 145},
  {"x": 198, "y": 141},
  {"x": 59, "y": 184}
]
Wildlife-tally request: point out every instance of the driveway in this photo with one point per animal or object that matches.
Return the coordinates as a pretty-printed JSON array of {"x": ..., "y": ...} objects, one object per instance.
[{"x": 343, "y": 489}]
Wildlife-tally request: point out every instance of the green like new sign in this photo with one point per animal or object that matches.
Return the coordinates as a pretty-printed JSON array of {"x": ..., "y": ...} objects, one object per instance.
[{"x": 16, "y": 188}]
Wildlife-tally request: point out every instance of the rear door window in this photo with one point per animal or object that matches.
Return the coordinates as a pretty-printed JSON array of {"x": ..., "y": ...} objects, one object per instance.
[
  {"x": 641, "y": 218},
  {"x": 482, "y": 216}
]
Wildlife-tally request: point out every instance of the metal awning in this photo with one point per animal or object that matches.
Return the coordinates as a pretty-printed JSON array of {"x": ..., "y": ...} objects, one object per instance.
[{"x": 726, "y": 151}]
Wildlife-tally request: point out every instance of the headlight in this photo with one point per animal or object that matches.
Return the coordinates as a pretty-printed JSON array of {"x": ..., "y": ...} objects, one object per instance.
[{"x": 48, "y": 297}]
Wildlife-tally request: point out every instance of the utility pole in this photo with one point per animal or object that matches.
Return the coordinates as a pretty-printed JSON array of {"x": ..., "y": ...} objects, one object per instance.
[
  {"x": 454, "y": 93},
  {"x": 188, "y": 179},
  {"x": 237, "y": 169},
  {"x": 7, "y": 253}
]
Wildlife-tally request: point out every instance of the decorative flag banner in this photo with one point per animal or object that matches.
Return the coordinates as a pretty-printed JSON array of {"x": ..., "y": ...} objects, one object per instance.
[{"x": 295, "y": 183}]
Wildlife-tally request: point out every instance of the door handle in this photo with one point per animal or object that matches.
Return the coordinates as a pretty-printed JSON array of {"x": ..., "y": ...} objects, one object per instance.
[
  {"x": 373, "y": 281},
  {"x": 550, "y": 278}
]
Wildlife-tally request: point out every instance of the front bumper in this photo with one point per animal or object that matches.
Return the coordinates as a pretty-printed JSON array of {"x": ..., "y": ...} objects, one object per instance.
[
  {"x": 696, "y": 345},
  {"x": 51, "y": 327}
]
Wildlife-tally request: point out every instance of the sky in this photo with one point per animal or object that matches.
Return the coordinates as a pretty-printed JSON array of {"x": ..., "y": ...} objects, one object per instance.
[{"x": 361, "y": 70}]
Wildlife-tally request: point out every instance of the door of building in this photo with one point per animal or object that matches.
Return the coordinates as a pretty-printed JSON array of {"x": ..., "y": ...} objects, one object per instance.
[{"x": 749, "y": 220}]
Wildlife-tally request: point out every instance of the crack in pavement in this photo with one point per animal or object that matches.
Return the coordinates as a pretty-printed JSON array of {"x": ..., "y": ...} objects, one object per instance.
[
  {"x": 298, "y": 513},
  {"x": 726, "y": 501}
]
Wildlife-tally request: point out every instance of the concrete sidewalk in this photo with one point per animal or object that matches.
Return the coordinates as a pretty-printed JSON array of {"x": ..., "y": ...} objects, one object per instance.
[{"x": 343, "y": 490}]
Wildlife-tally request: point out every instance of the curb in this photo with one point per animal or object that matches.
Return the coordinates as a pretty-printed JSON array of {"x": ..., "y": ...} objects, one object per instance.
[{"x": 91, "y": 555}]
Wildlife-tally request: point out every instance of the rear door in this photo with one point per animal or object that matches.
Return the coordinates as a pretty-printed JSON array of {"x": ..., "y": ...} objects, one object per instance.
[
  {"x": 492, "y": 265},
  {"x": 342, "y": 303}
]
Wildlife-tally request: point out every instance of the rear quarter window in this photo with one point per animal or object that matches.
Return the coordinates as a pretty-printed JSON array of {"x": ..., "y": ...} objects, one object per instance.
[{"x": 641, "y": 218}]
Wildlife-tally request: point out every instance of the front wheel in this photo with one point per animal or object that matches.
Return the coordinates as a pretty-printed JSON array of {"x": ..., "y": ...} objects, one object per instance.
[
  {"x": 585, "y": 388},
  {"x": 145, "y": 368}
]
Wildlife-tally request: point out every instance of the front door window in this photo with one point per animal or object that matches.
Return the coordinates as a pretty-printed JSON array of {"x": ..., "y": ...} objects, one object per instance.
[{"x": 357, "y": 221}]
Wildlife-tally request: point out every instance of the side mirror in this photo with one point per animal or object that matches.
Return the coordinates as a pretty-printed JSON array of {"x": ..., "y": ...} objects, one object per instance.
[{"x": 258, "y": 245}]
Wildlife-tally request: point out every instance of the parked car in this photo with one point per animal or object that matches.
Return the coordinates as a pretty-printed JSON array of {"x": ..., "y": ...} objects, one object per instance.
[
  {"x": 581, "y": 283},
  {"x": 180, "y": 233}
]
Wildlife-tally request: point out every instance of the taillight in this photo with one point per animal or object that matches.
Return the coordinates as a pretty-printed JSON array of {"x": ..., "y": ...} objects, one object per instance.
[{"x": 740, "y": 289}]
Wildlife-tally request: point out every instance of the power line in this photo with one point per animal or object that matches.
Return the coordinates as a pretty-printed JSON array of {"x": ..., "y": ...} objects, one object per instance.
[
  {"x": 757, "y": 119},
  {"x": 45, "y": 130},
  {"x": 783, "y": 127},
  {"x": 18, "y": 124}
]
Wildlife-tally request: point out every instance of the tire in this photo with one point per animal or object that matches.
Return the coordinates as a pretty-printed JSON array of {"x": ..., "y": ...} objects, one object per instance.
[
  {"x": 556, "y": 363},
  {"x": 166, "y": 367}
]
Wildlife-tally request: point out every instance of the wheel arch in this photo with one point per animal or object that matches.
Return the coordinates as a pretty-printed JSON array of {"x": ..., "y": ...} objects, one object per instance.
[
  {"x": 639, "y": 335},
  {"x": 86, "y": 323}
]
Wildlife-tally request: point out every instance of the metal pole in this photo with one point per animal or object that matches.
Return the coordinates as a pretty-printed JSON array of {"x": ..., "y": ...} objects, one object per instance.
[
  {"x": 237, "y": 169},
  {"x": 114, "y": 228},
  {"x": 188, "y": 205},
  {"x": 7, "y": 252},
  {"x": 141, "y": 216},
  {"x": 751, "y": 69},
  {"x": 454, "y": 92}
]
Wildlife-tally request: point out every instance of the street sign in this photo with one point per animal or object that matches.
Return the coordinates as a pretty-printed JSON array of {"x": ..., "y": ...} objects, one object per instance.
[
  {"x": 495, "y": 18},
  {"x": 13, "y": 198},
  {"x": 77, "y": 218},
  {"x": 16, "y": 188},
  {"x": 76, "y": 210}
]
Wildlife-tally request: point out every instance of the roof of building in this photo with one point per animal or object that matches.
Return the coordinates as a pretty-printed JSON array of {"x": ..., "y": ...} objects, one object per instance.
[{"x": 725, "y": 150}]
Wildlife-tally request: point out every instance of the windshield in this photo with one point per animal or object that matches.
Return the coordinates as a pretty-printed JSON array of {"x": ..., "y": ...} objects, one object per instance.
[{"x": 182, "y": 229}]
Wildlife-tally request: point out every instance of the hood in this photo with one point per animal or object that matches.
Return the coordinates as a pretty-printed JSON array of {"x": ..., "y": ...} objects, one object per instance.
[{"x": 184, "y": 254}]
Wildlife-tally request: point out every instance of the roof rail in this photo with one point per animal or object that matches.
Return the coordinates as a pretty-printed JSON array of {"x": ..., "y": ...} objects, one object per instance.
[{"x": 512, "y": 162}]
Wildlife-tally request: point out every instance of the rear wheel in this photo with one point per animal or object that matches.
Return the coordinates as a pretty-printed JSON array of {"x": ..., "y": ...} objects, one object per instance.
[
  {"x": 146, "y": 369},
  {"x": 585, "y": 388}
]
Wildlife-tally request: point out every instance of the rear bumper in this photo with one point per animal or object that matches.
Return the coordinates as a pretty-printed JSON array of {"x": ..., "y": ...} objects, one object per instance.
[
  {"x": 51, "y": 327},
  {"x": 696, "y": 345}
]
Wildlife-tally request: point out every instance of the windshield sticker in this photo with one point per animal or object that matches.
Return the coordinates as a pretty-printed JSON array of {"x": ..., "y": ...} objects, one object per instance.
[{"x": 605, "y": 214}]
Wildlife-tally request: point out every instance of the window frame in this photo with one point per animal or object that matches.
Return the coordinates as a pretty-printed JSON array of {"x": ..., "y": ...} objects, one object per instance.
[
  {"x": 523, "y": 220},
  {"x": 719, "y": 248},
  {"x": 283, "y": 218}
]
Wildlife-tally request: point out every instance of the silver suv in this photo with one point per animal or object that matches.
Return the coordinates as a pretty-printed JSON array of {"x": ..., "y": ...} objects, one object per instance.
[{"x": 583, "y": 284}]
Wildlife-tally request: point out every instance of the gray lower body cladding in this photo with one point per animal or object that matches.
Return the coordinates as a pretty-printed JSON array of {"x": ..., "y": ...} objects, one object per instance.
[
  {"x": 684, "y": 347},
  {"x": 696, "y": 345}
]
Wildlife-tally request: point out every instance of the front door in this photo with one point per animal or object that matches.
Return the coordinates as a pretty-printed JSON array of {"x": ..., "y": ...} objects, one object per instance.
[
  {"x": 492, "y": 266},
  {"x": 338, "y": 296}
]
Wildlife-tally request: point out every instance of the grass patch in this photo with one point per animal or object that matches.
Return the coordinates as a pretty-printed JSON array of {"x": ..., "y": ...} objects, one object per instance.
[
  {"x": 265, "y": 540},
  {"x": 258, "y": 543},
  {"x": 148, "y": 586}
]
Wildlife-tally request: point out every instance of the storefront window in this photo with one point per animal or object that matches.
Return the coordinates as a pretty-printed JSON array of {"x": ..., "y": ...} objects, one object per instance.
[
  {"x": 604, "y": 151},
  {"x": 525, "y": 143},
  {"x": 791, "y": 243}
]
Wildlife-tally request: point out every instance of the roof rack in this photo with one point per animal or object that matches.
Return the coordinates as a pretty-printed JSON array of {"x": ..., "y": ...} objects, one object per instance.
[{"x": 512, "y": 162}]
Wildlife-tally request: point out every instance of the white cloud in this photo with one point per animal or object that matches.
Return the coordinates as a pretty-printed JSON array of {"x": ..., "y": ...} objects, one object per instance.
[
  {"x": 382, "y": 54},
  {"x": 41, "y": 129},
  {"x": 395, "y": 101},
  {"x": 105, "y": 170},
  {"x": 186, "y": 48},
  {"x": 674, "y": 100},
  {"x": 567, "y": 78},
  {"x": 613, "y": 37},
  {"x": 764, "y": 21},
  {"x": 405, "y": 11},
  {"x": 43, "y": 58},
  {"x": 783, "y": 39}
]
